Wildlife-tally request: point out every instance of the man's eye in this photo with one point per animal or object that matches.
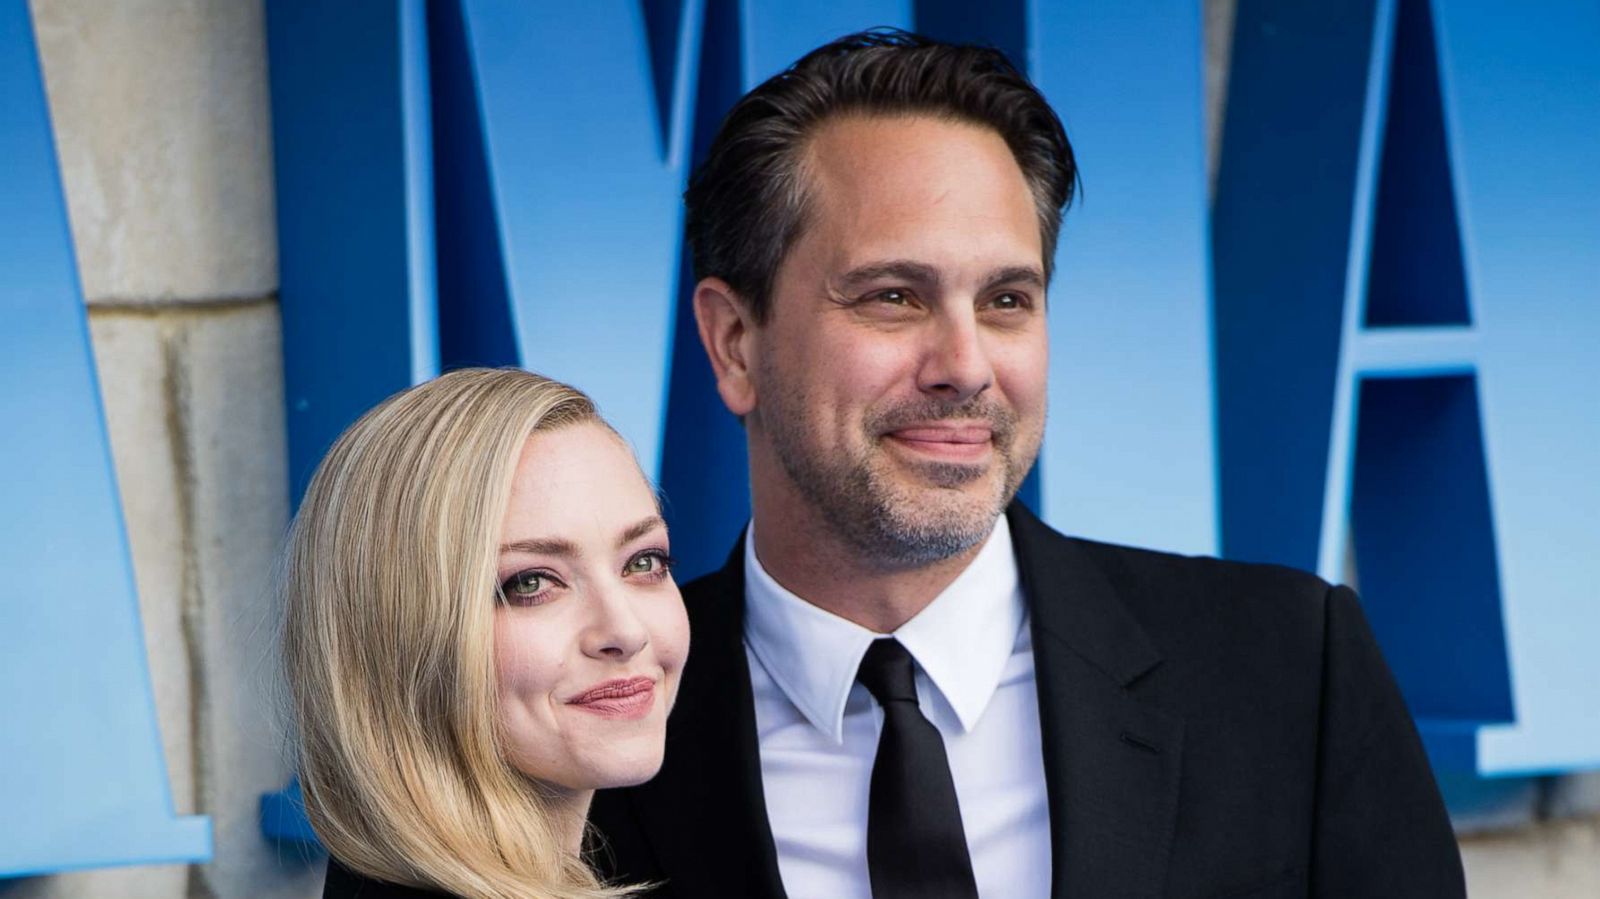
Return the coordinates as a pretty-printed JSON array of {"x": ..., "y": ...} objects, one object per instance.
[
  {"x": 893, "y": 296},
  {"x": 1009, "y": 301}
]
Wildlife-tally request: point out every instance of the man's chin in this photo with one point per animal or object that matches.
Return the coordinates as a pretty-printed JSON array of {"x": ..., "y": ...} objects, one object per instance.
[
  {"x": 915, "y": 539},
  {"x": 946, "y": 481},
  {"x": 951, "y": 502}
]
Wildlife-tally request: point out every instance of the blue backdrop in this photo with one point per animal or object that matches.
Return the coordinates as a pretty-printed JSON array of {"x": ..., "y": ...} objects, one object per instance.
[
  {"x": 1371, "y": 352},
  {"x": 82, "y": 778}
]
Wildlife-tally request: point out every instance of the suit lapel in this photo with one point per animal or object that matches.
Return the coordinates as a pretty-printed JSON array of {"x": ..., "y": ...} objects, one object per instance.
[
  {"x": 1112, "y": 761},
  {"x": 705, "y": 812}
]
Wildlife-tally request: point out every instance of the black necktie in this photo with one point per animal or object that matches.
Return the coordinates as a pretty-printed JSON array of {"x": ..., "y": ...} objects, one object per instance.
[{"x": 916, "y": 848}]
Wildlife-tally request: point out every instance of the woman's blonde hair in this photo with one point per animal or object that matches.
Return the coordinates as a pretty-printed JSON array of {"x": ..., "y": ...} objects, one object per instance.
[{"x": 388, "y": 643}]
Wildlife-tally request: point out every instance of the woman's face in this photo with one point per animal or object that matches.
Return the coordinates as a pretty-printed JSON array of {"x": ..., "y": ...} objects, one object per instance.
[{"x": 590, "y": 634}]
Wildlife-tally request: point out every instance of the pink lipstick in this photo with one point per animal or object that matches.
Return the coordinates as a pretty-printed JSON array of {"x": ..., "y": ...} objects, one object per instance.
[{"x": 624, "y": 698}]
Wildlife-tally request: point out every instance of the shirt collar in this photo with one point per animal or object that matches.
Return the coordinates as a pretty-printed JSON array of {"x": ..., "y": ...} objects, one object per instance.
[{"x": 961, "y": 640}]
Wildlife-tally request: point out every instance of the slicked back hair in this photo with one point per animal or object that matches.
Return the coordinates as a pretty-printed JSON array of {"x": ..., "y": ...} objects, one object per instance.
[{"x": 747, "y": 203}]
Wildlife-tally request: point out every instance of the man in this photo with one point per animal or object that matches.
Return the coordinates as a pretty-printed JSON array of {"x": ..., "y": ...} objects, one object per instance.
[{"x": 902, "y": 683}]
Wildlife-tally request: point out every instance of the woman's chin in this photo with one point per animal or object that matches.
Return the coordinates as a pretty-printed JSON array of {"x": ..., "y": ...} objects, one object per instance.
[
  {"x": 626, "y": 760},
  {"x": 608, "y": 768},
  {"x": 632, "y": 778},
  {"x": 628, "y": 770}
]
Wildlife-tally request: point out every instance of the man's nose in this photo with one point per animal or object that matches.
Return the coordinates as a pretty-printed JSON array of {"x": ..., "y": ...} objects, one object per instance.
[
  {"x": 613, "y": 629},
  {"x": 955, "y": 364}
]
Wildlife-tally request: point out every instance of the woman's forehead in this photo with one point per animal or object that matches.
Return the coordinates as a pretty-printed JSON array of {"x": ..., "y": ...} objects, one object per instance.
[{"x": 576, "y": 481}]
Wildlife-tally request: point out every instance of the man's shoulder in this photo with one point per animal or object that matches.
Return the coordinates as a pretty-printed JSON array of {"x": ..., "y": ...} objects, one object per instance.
[
  {"x": 1188, "y": 605},
  {"x": 1140, "y": 569},
  {"x": 715, "y": 600},
  {"x": 1134, "y": 571},
  {"x": 713, "y": 585}
]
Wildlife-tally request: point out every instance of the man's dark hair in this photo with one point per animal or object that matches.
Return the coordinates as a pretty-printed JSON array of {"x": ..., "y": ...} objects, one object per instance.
[{"x": 747, "y": 203}]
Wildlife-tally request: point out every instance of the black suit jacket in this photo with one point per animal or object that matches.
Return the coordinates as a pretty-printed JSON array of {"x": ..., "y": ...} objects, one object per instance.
[
  {"x": 1210, "y": 729},
  {"x": 343, "y": 883}
]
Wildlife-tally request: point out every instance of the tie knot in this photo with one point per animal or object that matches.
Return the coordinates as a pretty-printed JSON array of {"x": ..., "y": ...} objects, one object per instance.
[{"x": 888, "y": 672}]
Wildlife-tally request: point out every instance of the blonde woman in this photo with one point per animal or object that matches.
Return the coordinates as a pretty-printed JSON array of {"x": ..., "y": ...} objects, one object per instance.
[{"x": 481, "y": 629}]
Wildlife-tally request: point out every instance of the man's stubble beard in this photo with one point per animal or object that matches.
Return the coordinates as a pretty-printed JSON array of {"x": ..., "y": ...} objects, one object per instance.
[{"x": 888, "y": 523}]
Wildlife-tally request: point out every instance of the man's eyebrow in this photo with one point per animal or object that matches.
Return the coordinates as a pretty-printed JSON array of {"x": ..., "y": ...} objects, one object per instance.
[
  {"x": 899, "y": 269},
  {"x": 922, "y": 273},
  {"x": 639, "y": 529},
  {"x": 1015, "y": 274}
]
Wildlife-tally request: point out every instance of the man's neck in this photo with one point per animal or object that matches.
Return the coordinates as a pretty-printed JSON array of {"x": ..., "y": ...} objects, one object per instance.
[{"x": 809, "y": 560}]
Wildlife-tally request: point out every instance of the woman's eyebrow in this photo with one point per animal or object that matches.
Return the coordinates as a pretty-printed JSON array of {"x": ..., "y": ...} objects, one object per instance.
[
  {"x": 555, "y": 546},
  {"x": 639, "y": 529},
  {"x": 547, "y": 546}
]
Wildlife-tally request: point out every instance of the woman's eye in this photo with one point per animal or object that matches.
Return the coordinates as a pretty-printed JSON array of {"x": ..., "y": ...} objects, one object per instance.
[
  {"x": 525, "y": 588},
  {"x": 649, "y": 562}
]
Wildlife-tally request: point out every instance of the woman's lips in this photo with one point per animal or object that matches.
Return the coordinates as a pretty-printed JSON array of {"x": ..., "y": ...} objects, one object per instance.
[{"x": 622, "y": 698}]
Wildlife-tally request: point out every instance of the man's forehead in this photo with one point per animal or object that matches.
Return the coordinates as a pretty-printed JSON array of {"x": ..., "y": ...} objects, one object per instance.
[
  {"x": 917, "y": 198},
  {"x": 878, "y": 172},
  {"x": 861, "y": 146}
]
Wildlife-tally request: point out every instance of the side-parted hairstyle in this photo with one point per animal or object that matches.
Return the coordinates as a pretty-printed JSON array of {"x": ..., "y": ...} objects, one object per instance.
[
  {"x": 747, "y": 202},
  {"x": 388, "y": 586}
]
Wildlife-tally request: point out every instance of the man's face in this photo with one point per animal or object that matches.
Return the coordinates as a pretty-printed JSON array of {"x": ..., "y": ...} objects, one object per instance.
[{"x": 899, "y": 379}]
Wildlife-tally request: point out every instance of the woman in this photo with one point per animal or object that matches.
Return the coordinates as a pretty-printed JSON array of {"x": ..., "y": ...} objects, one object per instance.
[{"x": 481, "y": 630}]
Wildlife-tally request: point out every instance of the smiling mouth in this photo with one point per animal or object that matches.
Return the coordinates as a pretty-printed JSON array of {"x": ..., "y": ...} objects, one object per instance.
[
  {"x": 951, "y": 443},
  {"x": 621, "y": 698}
]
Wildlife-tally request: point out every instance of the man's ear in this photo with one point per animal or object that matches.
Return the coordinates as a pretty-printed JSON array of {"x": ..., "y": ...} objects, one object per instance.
[{"x": 727, "y": 331}]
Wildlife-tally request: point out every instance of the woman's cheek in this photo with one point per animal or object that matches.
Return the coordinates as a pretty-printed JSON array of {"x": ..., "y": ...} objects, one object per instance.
[
  {"x": 670, "y": 634},
  {"x": 526, "y": 662}
]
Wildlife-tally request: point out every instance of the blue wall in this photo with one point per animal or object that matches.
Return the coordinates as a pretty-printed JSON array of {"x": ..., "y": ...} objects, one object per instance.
[
  {"x": 82, "y": 777},
  {"x": 1361, "y": 360},
  {"x": 1375, "y": 344},
  {"x": 1406, "y": 305}
]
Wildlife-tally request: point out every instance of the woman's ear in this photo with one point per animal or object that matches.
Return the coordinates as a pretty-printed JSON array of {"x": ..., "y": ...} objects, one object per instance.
[{"x": 727, "y": 330}]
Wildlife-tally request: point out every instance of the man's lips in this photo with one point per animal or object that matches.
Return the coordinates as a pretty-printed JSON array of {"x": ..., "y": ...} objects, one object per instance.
[
  {"x": 953, "y": 443},
  {"x": 945, "y": 433},
  {"x": 629, "y": 697}
]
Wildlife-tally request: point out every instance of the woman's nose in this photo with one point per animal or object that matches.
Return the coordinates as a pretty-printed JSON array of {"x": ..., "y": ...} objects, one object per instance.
[{"x": 614, "y": 629}]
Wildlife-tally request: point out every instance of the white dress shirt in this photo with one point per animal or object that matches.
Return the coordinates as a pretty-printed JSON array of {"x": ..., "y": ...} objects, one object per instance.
[{"x": 819, "y": 729}]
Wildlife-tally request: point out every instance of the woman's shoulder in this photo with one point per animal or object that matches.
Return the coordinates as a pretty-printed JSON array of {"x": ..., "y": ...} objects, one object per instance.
[{"x": 343, "y": 883}]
